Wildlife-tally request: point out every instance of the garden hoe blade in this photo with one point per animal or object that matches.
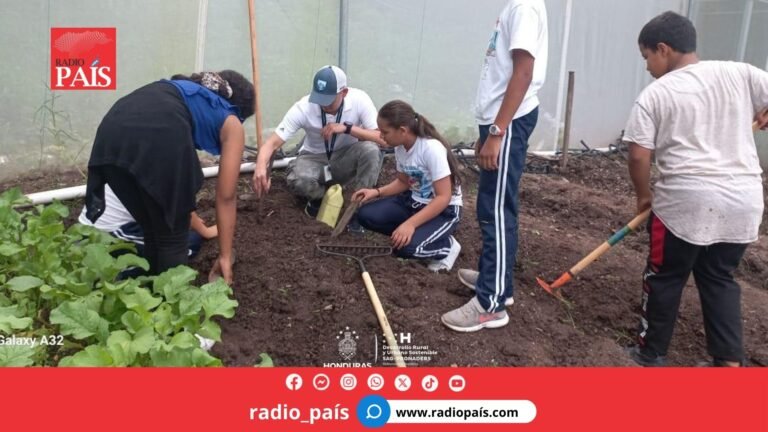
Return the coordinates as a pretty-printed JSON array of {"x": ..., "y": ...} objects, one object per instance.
[
  {"x": 619, "y": 235},
  {"x": 554, "y": 288},
  {"x": 345, "y": 218}
]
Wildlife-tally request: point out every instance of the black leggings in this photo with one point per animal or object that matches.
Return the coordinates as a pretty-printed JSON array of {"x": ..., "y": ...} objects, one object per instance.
[{"x": 165, "y": 246}]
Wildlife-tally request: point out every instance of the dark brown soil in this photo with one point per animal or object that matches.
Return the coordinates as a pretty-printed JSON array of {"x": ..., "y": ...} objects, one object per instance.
[
  {"x": 39, "y": 181},
  {"x": 295, "y": 303}
]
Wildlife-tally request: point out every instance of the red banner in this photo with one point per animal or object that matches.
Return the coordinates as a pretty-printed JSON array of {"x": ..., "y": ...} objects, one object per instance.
[
  {"x": 445, "y": 399},
  {"x": 83, "y": 58}
]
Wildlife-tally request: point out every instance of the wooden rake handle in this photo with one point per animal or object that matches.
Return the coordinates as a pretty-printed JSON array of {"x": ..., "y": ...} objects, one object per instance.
[{"x": 383, "y": 322}]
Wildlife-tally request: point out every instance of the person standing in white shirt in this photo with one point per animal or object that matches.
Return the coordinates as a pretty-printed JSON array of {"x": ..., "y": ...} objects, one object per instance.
[
  {"x": 340, "y": 146},
  {"x": 708, "y": 201},
  {"x": 421, "y": 207},
  {"x": 506, "y": 111}
]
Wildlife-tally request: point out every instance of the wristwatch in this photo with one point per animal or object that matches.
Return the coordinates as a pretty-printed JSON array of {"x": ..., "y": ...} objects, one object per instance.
[
  {"x": 349, "y": 127},
  {"x": 496, "y": 131}
]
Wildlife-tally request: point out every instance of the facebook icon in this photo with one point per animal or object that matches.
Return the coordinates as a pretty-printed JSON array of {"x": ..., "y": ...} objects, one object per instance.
[{"x": 293, "y": 382}]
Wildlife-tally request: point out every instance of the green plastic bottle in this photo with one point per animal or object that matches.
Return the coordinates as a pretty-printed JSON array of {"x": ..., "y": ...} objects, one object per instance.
[{"x": 331, "y": 206}]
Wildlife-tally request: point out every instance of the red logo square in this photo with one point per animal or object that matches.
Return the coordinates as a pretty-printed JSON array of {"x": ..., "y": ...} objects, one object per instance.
[{"x": 83, "y": 58}]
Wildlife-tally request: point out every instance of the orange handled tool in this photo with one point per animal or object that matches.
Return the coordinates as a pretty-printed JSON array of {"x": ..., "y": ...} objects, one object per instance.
[{"x": 554, "y": 287}]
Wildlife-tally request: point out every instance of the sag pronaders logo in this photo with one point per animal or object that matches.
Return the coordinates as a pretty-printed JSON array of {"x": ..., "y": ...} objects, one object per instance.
[{"x": 83, "y": 58}]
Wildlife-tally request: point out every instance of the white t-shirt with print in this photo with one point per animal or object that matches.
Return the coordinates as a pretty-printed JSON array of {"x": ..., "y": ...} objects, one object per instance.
[
  {"x": 697, "y": 119},
  {"x": 358, "y": 109},
  {"x": 425, "y": 163},
  {"x": 521, "y": 25}
]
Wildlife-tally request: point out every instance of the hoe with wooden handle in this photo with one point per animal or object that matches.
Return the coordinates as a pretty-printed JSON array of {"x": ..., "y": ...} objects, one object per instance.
[{"x": 554, "y": 287}]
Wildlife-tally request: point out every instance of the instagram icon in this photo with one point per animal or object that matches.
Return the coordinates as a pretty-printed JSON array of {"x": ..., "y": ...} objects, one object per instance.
[{"x": 348, "y": 382}]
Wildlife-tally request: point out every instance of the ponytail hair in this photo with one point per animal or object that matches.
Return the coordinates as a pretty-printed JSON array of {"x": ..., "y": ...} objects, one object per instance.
[
  {"x": 400, "y": 114},
  {"x": 230, "y": 85}
]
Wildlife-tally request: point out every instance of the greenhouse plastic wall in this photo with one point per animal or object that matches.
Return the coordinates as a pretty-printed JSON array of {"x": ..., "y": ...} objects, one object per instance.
[
  {"x": 295, "y": 38},
  {"x": 40, "y": 128},
  {"x": 427, "y": 52}
]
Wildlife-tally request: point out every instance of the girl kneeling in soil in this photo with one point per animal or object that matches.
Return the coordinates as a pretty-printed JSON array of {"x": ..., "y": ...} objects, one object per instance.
[
  {"x": 421, "y": 208},
  {"x": 145, "y": 150}
]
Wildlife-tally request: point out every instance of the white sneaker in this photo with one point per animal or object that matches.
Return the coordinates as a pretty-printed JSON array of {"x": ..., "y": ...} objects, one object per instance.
[
  {"x": 471, "y": 317},
  {"x": 447, "y": 262},
  {"x": 469, "y": 279}
]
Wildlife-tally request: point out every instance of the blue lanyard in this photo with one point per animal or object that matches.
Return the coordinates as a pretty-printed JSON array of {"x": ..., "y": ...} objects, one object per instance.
[{"x": 329, "y": 146}]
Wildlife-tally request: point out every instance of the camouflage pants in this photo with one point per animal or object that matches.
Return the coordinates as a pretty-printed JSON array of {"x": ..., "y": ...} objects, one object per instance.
[{"x": 353, "y": 167}]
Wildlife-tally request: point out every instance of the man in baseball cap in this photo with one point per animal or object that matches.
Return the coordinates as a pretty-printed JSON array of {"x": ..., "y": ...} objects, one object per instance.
[
  {"x": 327, "y": 84},
  {"x": 340, "y": 145}
]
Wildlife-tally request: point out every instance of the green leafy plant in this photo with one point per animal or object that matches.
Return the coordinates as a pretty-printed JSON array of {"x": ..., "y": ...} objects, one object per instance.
[
  {"x": 61, "y": 289},
  {"x": 264, "y": 361}
]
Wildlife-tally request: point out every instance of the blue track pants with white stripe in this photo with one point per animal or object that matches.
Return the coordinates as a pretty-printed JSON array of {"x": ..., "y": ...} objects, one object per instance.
[
  {"x": 497, "y": 214},
  {"x": 430, "y": 241}
]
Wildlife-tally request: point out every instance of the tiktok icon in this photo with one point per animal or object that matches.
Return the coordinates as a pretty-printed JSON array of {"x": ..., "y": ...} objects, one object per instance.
[{"x": 429, "y": 383}]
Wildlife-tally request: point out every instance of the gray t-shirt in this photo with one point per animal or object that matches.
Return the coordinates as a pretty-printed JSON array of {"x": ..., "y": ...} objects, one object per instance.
[{"x": 697, "y": 119}]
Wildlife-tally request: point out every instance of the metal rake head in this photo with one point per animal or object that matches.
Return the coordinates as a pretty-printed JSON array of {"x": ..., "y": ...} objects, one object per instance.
[{"x": 356, "y": 252}]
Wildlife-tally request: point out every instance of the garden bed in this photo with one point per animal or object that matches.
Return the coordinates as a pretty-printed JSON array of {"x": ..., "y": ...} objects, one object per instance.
[{"x": 296, "y": 304}]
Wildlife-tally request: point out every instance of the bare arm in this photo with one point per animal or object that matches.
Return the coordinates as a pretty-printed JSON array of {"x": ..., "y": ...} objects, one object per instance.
[
  {"x": 261, "y": 176},
  {"x": 363, "y": 134},
  {"x": 443, "y": 193},
  {"x": 640, "y": 173},
  {"x": 358, "y": 132},
  {"x": 761, "y": 120},
  {"x": 402, "y": 236},
  {"x": 396, "y": 186},
  {"x": 522, "y": 75},
  {"x": 232, "y": 137},
  {"x": 198, "y": 225}
]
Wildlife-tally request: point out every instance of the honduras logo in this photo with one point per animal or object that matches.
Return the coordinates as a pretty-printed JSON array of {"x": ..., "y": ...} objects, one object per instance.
[
  {"x": 348, "y": 344},
  {"x": 321, "y": 85}
]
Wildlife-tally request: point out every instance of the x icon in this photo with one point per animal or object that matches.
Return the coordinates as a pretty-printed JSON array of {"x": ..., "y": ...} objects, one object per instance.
[{"x": 403, "y": 382}]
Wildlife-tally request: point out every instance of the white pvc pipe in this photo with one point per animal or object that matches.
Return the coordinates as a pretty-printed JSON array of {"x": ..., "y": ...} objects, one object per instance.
[
  {"x": 79, "y": 191},
  {"x": 59, "y": 194}
]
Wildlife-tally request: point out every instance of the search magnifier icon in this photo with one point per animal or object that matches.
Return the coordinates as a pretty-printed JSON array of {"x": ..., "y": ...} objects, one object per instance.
[{"x": 373, "y": 411}]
